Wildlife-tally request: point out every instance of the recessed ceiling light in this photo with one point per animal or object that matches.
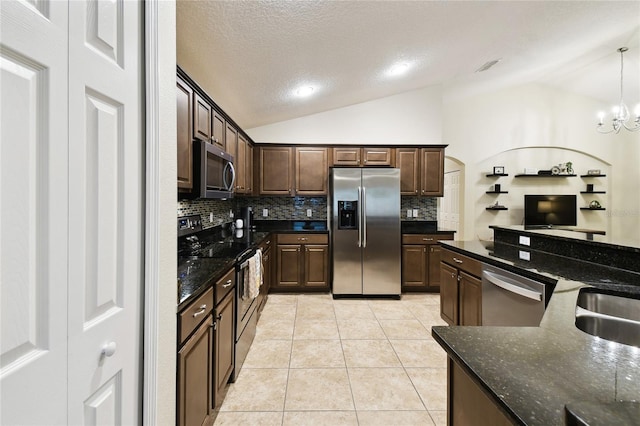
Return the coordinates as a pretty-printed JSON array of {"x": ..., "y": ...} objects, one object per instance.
[
  {"x": 304, "y": 91},
  {"x": 398, "y": 69}
]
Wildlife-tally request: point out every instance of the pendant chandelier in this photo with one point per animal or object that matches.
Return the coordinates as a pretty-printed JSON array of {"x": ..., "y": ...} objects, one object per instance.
[{"x": 621, "y": 114}]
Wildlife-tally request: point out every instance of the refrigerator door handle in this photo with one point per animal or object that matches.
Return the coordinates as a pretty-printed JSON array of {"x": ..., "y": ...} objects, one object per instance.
[
  {"x": 364, "y": 217},
  {"x": 360, "y": 217}
]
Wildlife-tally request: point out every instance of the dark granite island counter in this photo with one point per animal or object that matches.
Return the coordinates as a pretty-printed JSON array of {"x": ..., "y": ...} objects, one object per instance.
[{"x": 530, "y": 374}]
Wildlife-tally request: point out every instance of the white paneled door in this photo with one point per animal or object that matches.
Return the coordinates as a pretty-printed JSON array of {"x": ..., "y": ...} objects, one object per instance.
[
  {"x": 449, "y": 208},
  {"x": 71, "y": 212}
]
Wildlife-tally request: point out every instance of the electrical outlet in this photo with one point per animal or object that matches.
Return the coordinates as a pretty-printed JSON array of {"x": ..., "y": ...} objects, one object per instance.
[
  {"x": 231, "y": 214},
  {"x": 409, "y": 213},
  {"x": 415, "y": 212},
  {"x": 211, "y": 217},
  {"x": 309, "y": 212},
  {"x": 265, "y": 212}
]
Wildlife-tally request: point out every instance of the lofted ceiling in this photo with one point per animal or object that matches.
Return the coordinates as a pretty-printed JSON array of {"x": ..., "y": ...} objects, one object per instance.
[{"x": 251, "y": 56}]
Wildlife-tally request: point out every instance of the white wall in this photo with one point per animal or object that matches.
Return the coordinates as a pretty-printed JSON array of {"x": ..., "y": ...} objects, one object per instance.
[
  {"x": 408, "y": 118},
  {"x": 505, "y": 127}
]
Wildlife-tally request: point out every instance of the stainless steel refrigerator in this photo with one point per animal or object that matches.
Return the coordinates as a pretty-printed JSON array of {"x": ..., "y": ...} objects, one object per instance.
[{"x": 365, "y": 231}]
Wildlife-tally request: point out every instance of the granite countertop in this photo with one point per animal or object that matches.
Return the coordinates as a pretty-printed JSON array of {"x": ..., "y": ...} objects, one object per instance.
[
  {"x": 533, "y": 372},
  {"x": 423, "y": 227},
  {"x": 196, "y": 274}
]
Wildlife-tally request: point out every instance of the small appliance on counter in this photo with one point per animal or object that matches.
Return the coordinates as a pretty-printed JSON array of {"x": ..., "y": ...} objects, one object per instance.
[{"x": 246, "y": 214}]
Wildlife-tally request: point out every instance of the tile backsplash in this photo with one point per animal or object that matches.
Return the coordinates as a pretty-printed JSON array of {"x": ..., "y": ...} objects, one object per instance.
[
  {"x": 286, "y": 208},
  {"x": 289, "y": 208}
]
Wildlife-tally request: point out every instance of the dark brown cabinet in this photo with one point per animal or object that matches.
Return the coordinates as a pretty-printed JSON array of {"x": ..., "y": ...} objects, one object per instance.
[
  {"x": 276, "y": 170},
  {"x": 421, "y": 171},
  {"x": 195, "y": 362},
  {"x": 224, "y": 344},
  {"x": 312, "y": 166},
  {"x": 363, "y": 157},
  {"x": 241, "y": 165},
  {"x": 408, "y": 161},
  {"x": 231, "y": 141},
  {"x": 432, "y": 172},
  {"x": 218, "y": 127},
  {"x": 201, "y": 119},
  {"x": 302, "y": 262},
  {"x": 184, "y": 101},
  {"x": 449, "y": 294},
  {"x": 470, "y": 300},
  {"x": 460, "y": 289},
  {"x": 467, "y": 403},
  {"x": 421, "y": 261}
]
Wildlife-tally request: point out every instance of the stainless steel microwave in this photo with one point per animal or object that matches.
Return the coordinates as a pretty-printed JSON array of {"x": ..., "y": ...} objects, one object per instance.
[{"x": 213, "y": 173}]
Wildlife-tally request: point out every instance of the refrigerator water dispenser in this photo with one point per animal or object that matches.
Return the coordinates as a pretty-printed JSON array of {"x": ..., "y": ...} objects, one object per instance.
[{"x": 347, "y": 215}]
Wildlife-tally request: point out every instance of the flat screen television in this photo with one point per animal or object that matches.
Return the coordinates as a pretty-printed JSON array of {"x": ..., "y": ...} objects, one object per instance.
[{"x": 548, "y": 211}]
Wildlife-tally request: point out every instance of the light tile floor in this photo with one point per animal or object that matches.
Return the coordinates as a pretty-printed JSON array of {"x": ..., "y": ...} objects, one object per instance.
[{"x": 319, "y": 361}]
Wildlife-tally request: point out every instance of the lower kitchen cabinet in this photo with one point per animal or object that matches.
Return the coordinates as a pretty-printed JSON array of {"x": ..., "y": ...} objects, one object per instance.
[
  {"x": 302, "y": 262},
  {"x": 206, "y": 352},
  {"x": 195, "y": 362},
  {"x": 224, "y": 344},
  {"x": 194, "y": 377},
  {"x": 421, "y": 261},
  {"x": 467, "y": 404},
  {"x": 460, "y": 289}
]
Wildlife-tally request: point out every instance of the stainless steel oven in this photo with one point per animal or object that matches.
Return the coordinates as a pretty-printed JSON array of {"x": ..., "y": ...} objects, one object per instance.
[
  {"x": 509, "y": 299},
  {"x": 213, "y": 171},
  {"x": 246, "y": 313}
]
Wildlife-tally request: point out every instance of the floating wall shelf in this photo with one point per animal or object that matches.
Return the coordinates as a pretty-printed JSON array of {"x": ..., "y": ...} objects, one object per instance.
[
  {"x": 497, "y": 208},
  {"x": 588, "y": 176},
  {"x": 593, "y": 192},
  {"x": 497, "y": 192},
  {"x": 543, "y": 176},
  {"x": 590, "y": 208},
  {"x": 497, "y": 174}
]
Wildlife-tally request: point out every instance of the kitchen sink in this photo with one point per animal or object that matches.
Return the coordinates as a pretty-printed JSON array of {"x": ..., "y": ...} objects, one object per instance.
[{"x": 609, "y": 316}]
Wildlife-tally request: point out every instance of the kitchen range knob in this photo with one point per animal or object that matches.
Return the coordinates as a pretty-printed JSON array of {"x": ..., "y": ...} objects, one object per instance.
[{"x": 108, "y": 349}]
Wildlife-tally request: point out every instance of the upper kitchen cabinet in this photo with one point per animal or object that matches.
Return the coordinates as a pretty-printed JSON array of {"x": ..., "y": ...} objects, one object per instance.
[
  {"x": 276, "y": 170},
  {"x": 312, "y": 166},
  {"x": 421, "y": 171},
  {"x": 432, "y": 172},
  {"x": 363, "y": 157},
  {"x": 218, "y": 127},
  {"x": 184, "y": 101},
  {"x": 408, "y": 161},
  {"x": 201, "y": 119},
  {"x": 231, "y": 141},
  {"x": 244, "y": 166}
]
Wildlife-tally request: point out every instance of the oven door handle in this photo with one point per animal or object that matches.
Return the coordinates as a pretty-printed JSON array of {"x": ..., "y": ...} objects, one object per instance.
[{"x": 513, "y": 288}]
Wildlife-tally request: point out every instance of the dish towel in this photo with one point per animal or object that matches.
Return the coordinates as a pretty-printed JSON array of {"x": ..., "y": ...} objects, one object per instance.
[{"x": 255, "y": 274}]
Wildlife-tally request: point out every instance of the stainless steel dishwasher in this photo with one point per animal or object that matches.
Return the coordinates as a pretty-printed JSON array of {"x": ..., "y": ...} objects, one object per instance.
[{"x": 509, "y": 299}]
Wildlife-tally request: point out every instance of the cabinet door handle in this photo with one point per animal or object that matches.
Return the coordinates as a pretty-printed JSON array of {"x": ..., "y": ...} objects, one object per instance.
[
  {"x": 455, "y": 259},
  {"x": 200, "y": 311},
  {"x": 424, "y": 249},
  {"x": 219, "y": 317},
  {"x": 228, "y": 284}
]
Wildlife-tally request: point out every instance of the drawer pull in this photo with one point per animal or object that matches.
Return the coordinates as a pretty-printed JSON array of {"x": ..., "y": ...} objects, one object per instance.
[
  {"x": 228, "y": 284},
  {"x": 200, "y": 311},
  {"x": 455, "y": 259},
  {"x": 427, "y": 239},
  {"x": 302, "y": 239}
]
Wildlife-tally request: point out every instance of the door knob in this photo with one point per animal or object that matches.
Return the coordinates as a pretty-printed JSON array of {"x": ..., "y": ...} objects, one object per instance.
[{"x": 108, "y": 349}]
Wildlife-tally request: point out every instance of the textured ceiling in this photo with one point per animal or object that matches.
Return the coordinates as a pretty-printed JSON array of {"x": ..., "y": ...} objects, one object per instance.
[{"x": 251, "y": 55}]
